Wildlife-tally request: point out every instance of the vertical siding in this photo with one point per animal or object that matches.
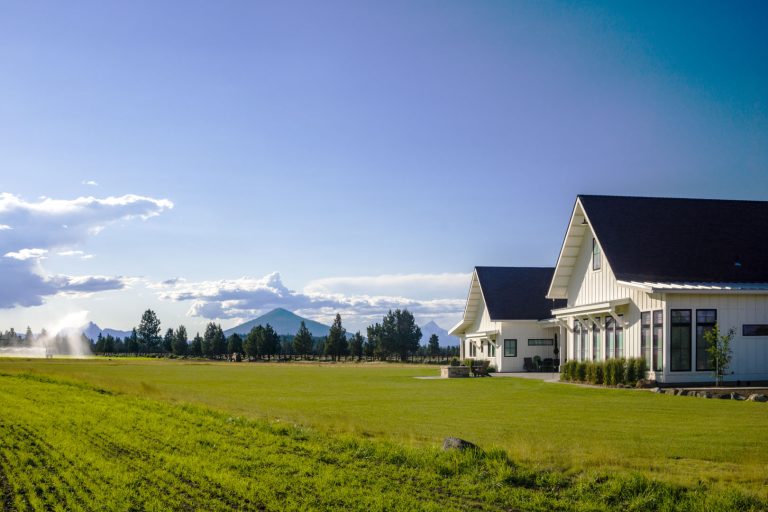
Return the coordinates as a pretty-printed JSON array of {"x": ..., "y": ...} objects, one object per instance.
[
  {"x": 750, "y": 353},
  {"x": 589, "y": 286}
]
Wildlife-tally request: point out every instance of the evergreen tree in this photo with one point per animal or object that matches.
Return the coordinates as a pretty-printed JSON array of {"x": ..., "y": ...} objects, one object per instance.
[
  {"x": 29, "y": 337},
  {"x": 180, "y": 346},
  {"x": 168, "y": 340},
  {"x": 302, "y": 342},
  {"x": 336, "y": 342},
  {"x": 99, "y": 346},
  {"x": 235, "y": 344},
  {"x": 196, "y": 347},
  {"x": 149, "y": 331},
  {"x": 132, "y": 342},
  {"x": 399, "y": 333},
  {"x": 356, "y": 345},
  {"x": 270, "y": 342},
  {"x": 433, "y": 347},
  {"x": 109, "y": 344},
  {"x": 253, "y": 342},
  {"x": 209, "y": 338},
  {"x": 219, "y": 341},
  {"x": 374, "y": 346}
]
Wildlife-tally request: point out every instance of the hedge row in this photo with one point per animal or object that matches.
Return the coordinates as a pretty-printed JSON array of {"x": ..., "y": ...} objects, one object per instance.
[{"x": 610, "y": 372}]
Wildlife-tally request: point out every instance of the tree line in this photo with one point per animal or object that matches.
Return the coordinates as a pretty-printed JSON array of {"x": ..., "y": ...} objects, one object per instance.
[{"x": 396, "y": 337}]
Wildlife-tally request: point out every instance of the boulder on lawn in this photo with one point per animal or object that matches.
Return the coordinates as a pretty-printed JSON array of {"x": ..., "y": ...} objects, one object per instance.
[
  {"x": 454, "y": 443},
  {"x": 736, "y": 396},
  {"x": 756, "y": 397}
]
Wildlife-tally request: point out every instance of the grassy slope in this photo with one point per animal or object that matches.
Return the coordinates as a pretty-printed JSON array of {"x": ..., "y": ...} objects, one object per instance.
[
  {"x": 678, "y": 439},
  {"x": 76, "y": 447}
]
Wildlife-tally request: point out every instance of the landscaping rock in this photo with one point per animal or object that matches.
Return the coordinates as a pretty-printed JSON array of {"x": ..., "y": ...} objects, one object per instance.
[
  {"x": 722, "y": 396},
  {"x": 736, "y": 396},
  {"x": 704, "y": 394},
  {"x": 684, "y": 392},
  {"x": 755, "y": 397},
  {"x": 658, "y": 390},
  {"x": 454, "y": 443}
]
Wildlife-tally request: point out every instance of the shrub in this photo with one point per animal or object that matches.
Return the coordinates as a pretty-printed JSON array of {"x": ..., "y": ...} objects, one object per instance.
[
  {"x": 468, "y": 363},
  {"x": 630, "y": 377},
  {"x": 581, "y": 372},
  {"x": 590, "y": 372},
  {"x": 455, "y": 361},
  {"x": 567, "y": 371},
  {"x": 610, "y": 372},
  {"x": 600, "y": 372}
]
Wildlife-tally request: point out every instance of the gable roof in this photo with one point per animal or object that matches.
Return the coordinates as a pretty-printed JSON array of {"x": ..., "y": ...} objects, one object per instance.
[
  {"x": 673, "y": 240},
  {"x": 516, "y": 293},
  {"x": 509, "y": 293}
]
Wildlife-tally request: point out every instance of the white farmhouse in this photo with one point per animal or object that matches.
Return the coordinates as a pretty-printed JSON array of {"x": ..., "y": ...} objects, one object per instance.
[
  {"x": 647, "y": 277},
  {"x": 507, "y": 319}
]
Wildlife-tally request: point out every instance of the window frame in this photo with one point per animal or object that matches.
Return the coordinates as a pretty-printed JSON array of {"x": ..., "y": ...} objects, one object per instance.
[
  {"x": 701, "y": 343},
  {"x": 645, "y": 337},
  {"x": 597, "y": 255},
  {"x": 657, "y": 340},
  {"x": 596, "y": 355},
  {"x": 761, "y": 330},
  {"x": 679, "y": 325},
  {"x": 550, "y": 344},
  {"x": 506, "y": 354}
]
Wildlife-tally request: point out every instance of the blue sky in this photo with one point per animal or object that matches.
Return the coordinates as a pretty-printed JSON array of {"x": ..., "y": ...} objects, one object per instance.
[{"x": 370, "y": 153}]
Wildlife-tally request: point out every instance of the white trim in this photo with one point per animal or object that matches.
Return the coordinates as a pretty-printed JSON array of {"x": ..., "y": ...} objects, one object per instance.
[
  {"x": 693, "y": 288},
  {"x": 591, "y": 309},
  {"x": 484, "y": 334}
]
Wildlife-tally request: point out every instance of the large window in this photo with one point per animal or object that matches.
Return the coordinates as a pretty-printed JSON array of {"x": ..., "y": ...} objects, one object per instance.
[
  {"x": 596, "y": 340},
  {"x": 705, "y": 321},
  {"x": 472, "y": 348},
  {"x": 583, "y": 344},
  {"x": 658, "y": 340},
  {"x": 510, "y": 348},
  {"x": 610, "y": 337},
  {"x": 576, "y": 339},
  {"x": 754, "y": 330},
  {"x": 680, "y": 340},
  {"x": 620, "y": 337},
  {"x": 541, "y": 342},
  {"x": 645, "y": 337},
  {"x": 491, "y": 349},
  {"x": 597, "y": 257}
]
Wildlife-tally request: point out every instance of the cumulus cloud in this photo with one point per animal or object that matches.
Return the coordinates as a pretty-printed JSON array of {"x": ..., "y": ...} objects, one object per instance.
[
  {"x": 90, "y": 183},
  {"x": 35, "y": 228},
  {"x": 82, "y": 255},
  {"x": 248, "y": 297}
]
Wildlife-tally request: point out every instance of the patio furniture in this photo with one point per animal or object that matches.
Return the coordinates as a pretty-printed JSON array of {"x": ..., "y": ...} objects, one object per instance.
[
  {"x": 528, "y": 364},
  {"x": 480, "y": 368}
]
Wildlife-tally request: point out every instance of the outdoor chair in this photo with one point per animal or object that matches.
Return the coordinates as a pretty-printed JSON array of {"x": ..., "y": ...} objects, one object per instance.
[
  {"x": 528, "y": 364},
  {"x": 547, "y": 365}
]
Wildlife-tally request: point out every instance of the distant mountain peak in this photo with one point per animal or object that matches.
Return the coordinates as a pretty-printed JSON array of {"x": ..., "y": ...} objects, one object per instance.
[{"x": 283, "y": 322}]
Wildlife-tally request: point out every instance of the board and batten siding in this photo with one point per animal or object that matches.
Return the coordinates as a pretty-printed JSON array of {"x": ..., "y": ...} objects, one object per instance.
[
  {"x": 750, "y": 353},
  {"x": 588, "y": 286}
]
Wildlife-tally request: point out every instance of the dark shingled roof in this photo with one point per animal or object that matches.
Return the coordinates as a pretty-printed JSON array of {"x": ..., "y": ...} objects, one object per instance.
[
  {"x": 681, "y": 240},
  {"x": 517, "y": 293}
]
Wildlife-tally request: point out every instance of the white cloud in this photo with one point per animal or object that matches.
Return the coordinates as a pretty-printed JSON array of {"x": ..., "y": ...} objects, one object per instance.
[
  {"x": 82, "y": 255},
  {"x": 4, "y": 227},
  {"x": 249, "y": 297},
  {"x": 27, "y": 254},
  {"x": 90, "y": 183},
  {"x": 58, "y": 225}
]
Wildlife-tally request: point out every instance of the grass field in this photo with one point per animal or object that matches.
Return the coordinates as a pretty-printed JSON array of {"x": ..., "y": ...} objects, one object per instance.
[{"x": 264, "y": 432}]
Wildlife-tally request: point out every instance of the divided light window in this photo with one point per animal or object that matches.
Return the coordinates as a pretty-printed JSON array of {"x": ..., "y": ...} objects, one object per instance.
[
  {"x": 472, "y": 349},
  {"x": 754, "y": 330},
  {"x": 645, "y": 337},
  {"x": 680, "y": 340},
  {"x": 583, "y": 344},
  {"x": 596, "y": 340},
  {"x": 510, "y": 348},
  {"x": 658, "y": 340},
  {"x": 491, "y": 349},
  {"x": 705, "y": 321},
  {"x": 610, "y": 337},
  {"x": 597, "y": 258},
  {"x": 540, "y": 343},
  {"x": 576, "y": 339},
  {"x": 620, "y": 337}
]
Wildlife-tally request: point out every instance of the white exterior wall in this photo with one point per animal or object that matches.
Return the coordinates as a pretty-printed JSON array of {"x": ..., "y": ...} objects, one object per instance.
[
  {"x": 522, "y": 330},
  {"x": 750, "y": 353},
  {"x": 589, "y": 286}
]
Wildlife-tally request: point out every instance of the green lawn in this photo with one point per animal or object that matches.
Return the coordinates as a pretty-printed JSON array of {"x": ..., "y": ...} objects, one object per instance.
[{"x": 544, "y": 426}]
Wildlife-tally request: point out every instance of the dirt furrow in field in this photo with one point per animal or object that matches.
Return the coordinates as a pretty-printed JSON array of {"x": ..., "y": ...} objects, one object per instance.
[{"x": 5, "y": 484}]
